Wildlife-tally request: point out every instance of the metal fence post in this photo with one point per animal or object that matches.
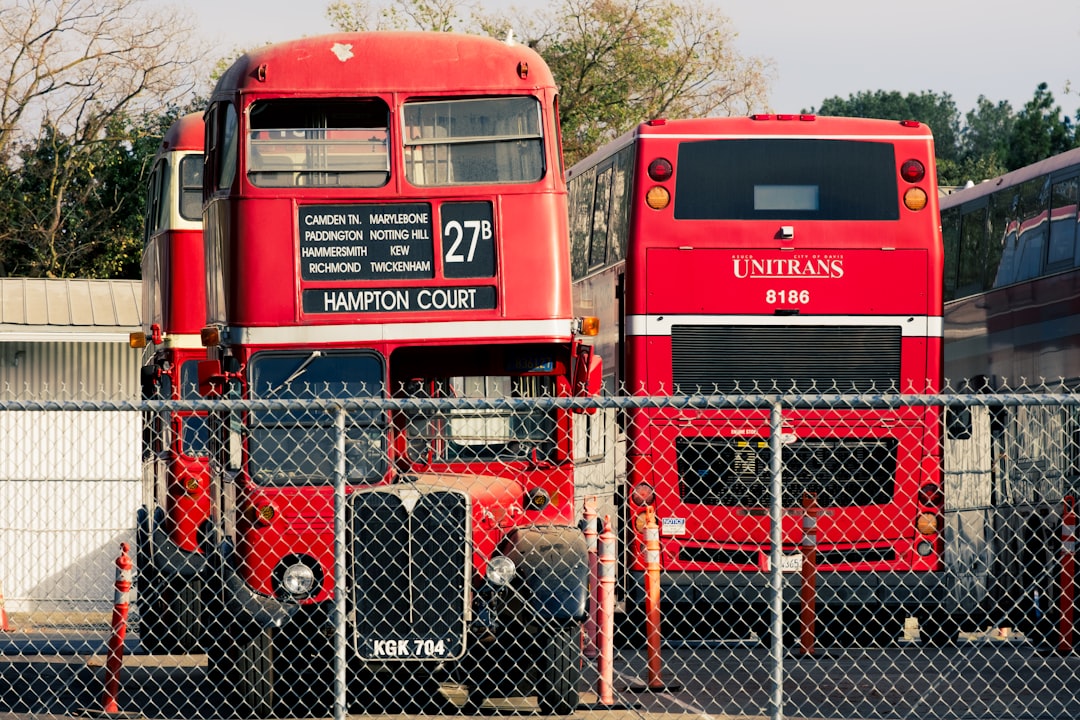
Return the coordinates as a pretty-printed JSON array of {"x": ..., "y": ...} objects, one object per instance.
[
  {"x": 776, "y": 517},
  {"x": 340, "y": 550}
]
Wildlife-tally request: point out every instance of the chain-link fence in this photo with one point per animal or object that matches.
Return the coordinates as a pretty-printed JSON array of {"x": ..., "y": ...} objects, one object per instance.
[{"x": 801, "y": 555}]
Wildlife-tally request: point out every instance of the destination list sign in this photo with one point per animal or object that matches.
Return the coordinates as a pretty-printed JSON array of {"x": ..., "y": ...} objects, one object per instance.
[{"x": 366, "y": 242}]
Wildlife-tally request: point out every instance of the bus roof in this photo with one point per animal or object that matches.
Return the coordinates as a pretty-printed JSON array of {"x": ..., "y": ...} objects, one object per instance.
[
  {"x": 391, "y": 61},
  {"x": 186, "y": 133},
  {"x": 986, "y": 187},
  {"x": 758, "y": 126}
]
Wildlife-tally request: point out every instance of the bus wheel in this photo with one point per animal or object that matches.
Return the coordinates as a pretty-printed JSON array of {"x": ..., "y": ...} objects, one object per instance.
[
  {"x": 245, "y": 670},
  {"x": 559, "y": 671},
  {"x": 152, "y": 626},
  {"x": 188, "y": 608}
]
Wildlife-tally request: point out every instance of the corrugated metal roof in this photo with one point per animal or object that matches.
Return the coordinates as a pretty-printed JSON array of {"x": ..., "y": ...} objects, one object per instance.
[{"x": 39, "y": 308}]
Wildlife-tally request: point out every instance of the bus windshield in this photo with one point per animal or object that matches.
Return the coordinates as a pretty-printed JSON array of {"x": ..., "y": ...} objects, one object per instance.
[
  {"x": 296, "y": 447},
  {"x": 465, "y": 435}
]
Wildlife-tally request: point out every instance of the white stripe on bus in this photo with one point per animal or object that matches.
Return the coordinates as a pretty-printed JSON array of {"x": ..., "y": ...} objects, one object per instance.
[
  {"x": 557, "y": 330},
  {"x": 910, "y": 325}
]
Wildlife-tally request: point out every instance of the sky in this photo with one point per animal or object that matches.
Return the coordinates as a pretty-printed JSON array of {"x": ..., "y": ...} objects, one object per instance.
[{"x": 1001, "y": 49}]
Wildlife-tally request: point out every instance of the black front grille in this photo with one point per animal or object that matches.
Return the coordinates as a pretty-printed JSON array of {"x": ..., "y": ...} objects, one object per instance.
[
  {"x": 711, "y": 359},
  {"x": 855, "y": 556},
  {"x": 735, "y": 472},
  {"x": 719, "y": 555},
  {"x": 410, "y": 572}
]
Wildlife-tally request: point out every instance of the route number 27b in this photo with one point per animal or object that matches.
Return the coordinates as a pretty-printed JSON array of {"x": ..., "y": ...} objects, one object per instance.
[
  {"x": 468, "y": 240},
  {"x": 463, "y": 238}
]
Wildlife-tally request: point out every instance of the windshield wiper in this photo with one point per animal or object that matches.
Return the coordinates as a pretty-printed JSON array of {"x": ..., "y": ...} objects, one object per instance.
[{"x": 296, "y": 373}]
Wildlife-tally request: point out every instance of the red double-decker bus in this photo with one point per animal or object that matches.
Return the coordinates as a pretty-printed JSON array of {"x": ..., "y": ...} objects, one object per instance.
[
  {"x": 385, "y": 217},
  {"x": 758, "y": 256},
  {"x": 176, "y": 476}
]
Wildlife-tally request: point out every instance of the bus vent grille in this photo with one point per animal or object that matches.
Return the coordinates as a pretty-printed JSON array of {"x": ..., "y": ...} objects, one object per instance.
[{"x": 710, "y": 359}]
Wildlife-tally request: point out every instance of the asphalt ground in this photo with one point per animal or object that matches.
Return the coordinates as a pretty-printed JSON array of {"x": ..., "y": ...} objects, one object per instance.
[{"x": 48, "y": 672}]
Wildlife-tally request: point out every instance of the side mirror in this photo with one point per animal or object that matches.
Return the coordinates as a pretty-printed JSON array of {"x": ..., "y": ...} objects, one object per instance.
[
  {"x": 149, "y": 378},
  {"x": 211, "y": 378},
  {"x": 588, "y": 374}
]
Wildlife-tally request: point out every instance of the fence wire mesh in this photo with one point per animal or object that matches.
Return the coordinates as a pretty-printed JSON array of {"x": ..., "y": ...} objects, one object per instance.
[{"x": 744, "y": 555}]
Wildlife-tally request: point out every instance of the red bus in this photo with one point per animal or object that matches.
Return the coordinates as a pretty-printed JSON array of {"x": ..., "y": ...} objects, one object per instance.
[
  {"x": 176, "y": 477},
  {"x": 762, "y": 255},
  {"x": 374, "y": 230},
  {"x": 1012, "y": 300}
]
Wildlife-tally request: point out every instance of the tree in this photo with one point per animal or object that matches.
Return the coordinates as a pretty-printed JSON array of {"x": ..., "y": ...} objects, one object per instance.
[
  {"x": 435, "y": 15},
  {"x": 78, "y": 71},
  {"x": 937, "y": 111},
  {"x": 617, "y": 62},
  {"x": 1040, "y": 131},
  {"x": 93, "y": 228}
]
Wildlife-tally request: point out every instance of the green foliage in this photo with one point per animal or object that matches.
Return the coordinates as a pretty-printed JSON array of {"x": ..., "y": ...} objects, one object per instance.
[
  {"x": 991, "y": 142},
  {"x": 74, "y": 208},
  {"x": 1040, "y": 131},
  {"x": 937, "y": 111}
]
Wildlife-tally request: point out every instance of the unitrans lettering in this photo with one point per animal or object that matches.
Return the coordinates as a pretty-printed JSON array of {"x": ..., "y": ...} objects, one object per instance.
[{"x": 831, "y": 268}]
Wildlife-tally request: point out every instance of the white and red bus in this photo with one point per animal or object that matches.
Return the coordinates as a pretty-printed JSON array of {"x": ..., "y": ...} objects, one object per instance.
[
  {"x": 1012, "y": 306},
  {"x": 176, "y": 475},
  {"x": 755, "y": 256},
  {"x": 385, "y": 217}
]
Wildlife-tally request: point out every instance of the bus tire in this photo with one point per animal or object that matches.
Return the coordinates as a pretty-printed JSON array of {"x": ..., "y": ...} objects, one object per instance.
[
  {"x": 559, "y": 671},
  {"x": 152, "y": 627},
  {"x": 244, "y": 670},
  {"x": 188, "y": 610}
]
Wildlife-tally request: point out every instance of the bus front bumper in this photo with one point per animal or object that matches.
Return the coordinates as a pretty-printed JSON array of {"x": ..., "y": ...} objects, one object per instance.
[{"x": 887, "y": 589}]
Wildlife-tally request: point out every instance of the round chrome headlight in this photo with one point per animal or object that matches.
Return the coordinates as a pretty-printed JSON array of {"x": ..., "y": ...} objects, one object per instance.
[
  {"x": 500, "y": 570},
  {"x": 298, "y": 580}
]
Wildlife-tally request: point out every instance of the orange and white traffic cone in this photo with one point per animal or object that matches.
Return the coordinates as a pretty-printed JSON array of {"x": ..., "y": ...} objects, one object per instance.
[{"x": 4, "y": 624}]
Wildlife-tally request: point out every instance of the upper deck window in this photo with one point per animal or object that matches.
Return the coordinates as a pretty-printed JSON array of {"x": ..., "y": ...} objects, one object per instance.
[
  {"x": 783, "y": 179},
  {"x": 318, "y": 143},
  {"x": 477, "y": 141}
]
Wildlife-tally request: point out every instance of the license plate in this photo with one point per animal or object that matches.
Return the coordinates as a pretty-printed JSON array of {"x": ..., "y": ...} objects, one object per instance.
[
  {"x": 788, "y": 563},
  {"x": 407, "y": 648}
]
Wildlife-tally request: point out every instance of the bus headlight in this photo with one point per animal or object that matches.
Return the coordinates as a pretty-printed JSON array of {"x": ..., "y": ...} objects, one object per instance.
[
  {"x": 297, "y": 577},
  {"x": 500, "y": 571}
]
